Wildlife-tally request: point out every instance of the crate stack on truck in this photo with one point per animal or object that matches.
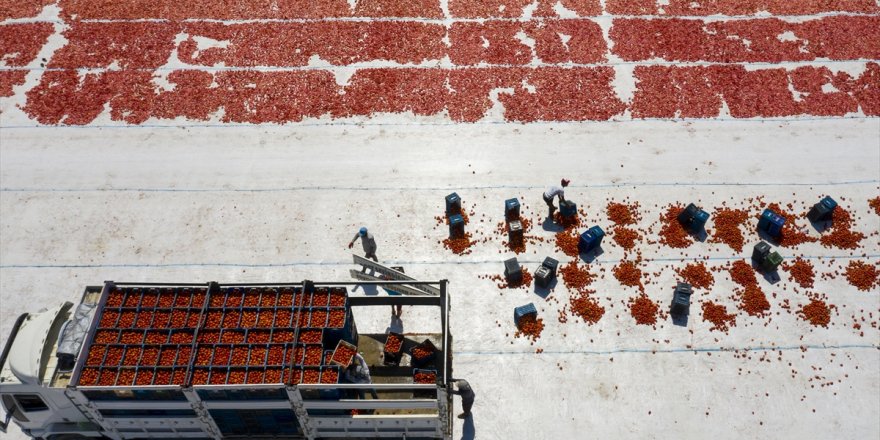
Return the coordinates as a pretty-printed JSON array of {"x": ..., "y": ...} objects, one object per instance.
[
  {"x": 215, "y": 336},
  {"x": 212, "y": 361}
]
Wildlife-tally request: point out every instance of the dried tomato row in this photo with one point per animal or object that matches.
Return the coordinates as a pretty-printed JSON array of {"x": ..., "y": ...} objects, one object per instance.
[
  {"x": 755, "y": 40},
  {"x": 736, "y": 7},
  {"x": 514, "y": 8},
  {"x": 241, "y": 10}
]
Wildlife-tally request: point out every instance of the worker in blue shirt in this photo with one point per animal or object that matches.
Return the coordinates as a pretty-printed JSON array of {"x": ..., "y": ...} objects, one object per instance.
[{"x": 367, "y": 241}]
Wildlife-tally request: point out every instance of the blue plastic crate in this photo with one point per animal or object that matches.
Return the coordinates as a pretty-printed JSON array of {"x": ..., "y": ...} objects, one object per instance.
[
  {"x": 456, "y": 226},
  {"x": 681, "y": 299},
  {"x": 512, "y": 270},
  {"x": 822, "y": 211},
  {"x": 453, "y": 204},
  {"x": 523, "y": 311},
  {"x": 700, "y": 219},
  {"x": 552, "y": 264},
  {"x": 693, "y": 218},
  {"x": 590, "y": 240},
  {"x": 568, "y": 208},
  {"x": 511, "y": 208},
  {"x": 771, "y": 223}
]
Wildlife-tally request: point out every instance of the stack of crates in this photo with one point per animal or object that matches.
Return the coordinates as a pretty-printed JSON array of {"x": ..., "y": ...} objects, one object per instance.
[
  {"x": 144, "y": 336},
  {"x": 822, "y": 211},
  {"x": 693, "y": 218},
  {"x": 766, "y": 261},
  {"x": 771, "y": 224},
  {"x": 191, "y": 336}
]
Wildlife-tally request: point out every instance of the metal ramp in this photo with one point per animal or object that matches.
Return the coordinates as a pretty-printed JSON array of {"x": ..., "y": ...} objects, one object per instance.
[{"x": 384, "y": 273}]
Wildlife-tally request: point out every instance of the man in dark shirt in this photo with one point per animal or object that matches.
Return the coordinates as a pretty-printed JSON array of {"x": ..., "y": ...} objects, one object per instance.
[{"x": 467, "y": 396}]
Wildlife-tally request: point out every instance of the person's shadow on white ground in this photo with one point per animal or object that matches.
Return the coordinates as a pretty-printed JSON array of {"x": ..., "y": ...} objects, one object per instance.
[
  {"x": 468, "y": 431},
  {"x": 396, "y": 325}
]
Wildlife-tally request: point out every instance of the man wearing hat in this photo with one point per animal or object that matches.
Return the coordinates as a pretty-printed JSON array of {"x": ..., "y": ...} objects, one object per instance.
[
  {"x": 554, "y": 191},
  {"x": 368, "y": 243}
]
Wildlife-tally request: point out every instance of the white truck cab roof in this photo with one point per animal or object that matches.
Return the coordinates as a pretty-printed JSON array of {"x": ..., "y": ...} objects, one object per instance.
[{"x": 28, "y": 355}]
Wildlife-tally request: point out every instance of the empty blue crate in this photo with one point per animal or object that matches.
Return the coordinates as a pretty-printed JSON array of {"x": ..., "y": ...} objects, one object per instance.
[
  {"x": 568, "y": 208},
  {"x": 771, "y": 223},
  {"x": 693, "y": 218},
  {"x": 511, "y": 209},
  {"x": 590, "y": 240},
  {"x": 453, "y": 204},
  {"x": 523, "y": 311},
  {"x": 822, "y": 211},
  {"x": 456, "y": 226}
]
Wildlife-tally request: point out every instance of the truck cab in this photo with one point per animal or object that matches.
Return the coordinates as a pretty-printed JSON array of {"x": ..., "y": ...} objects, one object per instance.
[{"x": 34, "y": 375}]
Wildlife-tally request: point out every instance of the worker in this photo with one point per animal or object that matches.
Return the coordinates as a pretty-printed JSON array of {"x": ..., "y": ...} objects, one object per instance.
[
  {"x": 467, "y": 396},
  {"x": 367, "y": 241},
  {"x": 358, "y": 372},
  {"x": 554, "y": 191}
]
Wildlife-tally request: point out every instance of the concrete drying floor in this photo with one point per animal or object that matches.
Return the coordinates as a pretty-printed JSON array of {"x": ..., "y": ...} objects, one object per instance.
[{"x": 259, "y": 204}]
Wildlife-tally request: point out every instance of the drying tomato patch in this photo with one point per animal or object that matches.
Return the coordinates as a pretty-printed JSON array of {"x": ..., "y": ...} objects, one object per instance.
[
  {"x": 801, "y": 272},
  {"x": 875, "y": 205},
  {"x": 575, "y": 277},
  {"x": 514, "y": 8},
  {"x": 625, "y": 237},
  {"x": 587, "y": 308},
  {"x": 337, "y": 43},
  {"x": 567, "y": 242},
  {"x": 728, "y": 227},
  {"x": 697, "y": 275},
  {"x": 20, "y": 42},
  {"x": 742, "y": 273},
  {"x": 629, "y": 274},
  {"x": 840, "y": 234},
  {"x": 864, "y": 276},
  {"x": 23, "y": 9},
  {"x": 672, "y": 233},
  {"x": 816, "y": 313},
  {"x": 203, "y": 9},
  {"x": 751, "y": 40},
  {"x": 643, "y": 310},
  {"x": 754, "y": 301},
  {"x": 718, "y": 316},
  {"x": 736, "y": 7},
  {"x": 530, "y": 327}
]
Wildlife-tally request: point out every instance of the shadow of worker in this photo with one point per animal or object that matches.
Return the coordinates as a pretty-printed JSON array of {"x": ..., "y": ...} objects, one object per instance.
[{"x": 468, "y": 431}]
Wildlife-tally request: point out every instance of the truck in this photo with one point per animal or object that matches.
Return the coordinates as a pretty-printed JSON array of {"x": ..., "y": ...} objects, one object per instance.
[{"x": 219, "y": 361}]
